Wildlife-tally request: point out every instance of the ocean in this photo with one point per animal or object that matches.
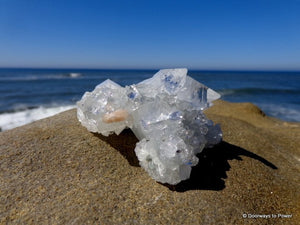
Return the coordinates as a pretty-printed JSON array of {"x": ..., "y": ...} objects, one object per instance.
[{"x": 31, "y": 94}]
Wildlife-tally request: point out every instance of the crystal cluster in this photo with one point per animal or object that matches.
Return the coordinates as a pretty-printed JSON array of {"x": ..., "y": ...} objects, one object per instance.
[{"x": 165, "y": 113}]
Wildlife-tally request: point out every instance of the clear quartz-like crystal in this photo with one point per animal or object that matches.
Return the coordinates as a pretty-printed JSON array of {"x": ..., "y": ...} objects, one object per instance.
[{"x": 165, "y": 113}]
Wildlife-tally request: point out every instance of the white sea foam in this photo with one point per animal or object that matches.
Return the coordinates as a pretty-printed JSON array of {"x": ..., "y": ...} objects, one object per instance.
[
  {"x": 16, "y": 119},
  {"x": 281, "y": 111},
  {"x": 226, "y": 92},
  {"x": 41, "y": 77}
]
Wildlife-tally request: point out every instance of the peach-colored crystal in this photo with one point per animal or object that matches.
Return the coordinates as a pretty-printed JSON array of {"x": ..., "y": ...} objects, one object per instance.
[{"x": 116, "y": 116}]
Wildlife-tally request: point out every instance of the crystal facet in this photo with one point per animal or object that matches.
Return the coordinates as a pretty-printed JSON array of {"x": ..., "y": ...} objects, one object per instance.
[{"x": 165, "y": 113}]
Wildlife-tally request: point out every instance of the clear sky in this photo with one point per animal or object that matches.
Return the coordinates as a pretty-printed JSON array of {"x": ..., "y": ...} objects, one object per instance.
[{"x": 208, "y": 34}]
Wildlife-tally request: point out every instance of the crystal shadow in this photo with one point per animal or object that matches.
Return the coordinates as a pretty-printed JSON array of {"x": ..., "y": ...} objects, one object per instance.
[
  {"x": 125, "y": 143},
  {"x": 210, "y": 172}
]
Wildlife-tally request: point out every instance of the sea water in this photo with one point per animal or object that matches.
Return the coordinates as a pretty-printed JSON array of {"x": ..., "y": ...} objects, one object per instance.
[{"x": 27, "y": 95}]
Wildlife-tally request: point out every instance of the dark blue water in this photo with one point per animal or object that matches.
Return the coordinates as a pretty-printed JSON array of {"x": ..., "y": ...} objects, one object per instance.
[{"x": 276, "y": 93}]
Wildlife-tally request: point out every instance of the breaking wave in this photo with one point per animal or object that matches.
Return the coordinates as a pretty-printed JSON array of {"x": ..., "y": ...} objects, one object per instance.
[
  {"x": 284, "y": 112},
  {"x": 42, "y": 77},
  {"x": 10, "y": 120}
]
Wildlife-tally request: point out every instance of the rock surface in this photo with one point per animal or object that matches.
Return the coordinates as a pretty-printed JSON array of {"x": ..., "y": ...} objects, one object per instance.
[{"x": 54, "y": 171}]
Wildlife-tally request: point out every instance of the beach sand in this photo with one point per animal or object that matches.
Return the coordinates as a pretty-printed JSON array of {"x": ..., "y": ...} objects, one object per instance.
[{"x": 54, "y": 171}]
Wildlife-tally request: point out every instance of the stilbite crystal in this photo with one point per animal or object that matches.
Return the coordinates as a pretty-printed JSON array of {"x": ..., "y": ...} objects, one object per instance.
[{"x": 165, "y": 112}]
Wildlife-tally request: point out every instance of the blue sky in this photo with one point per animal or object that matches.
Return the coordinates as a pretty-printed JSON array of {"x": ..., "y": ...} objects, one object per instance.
[{"x": 209, "y": 34}]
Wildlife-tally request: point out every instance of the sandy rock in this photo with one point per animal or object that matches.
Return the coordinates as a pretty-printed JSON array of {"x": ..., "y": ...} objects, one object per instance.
[{"x": 54, "y": 171}]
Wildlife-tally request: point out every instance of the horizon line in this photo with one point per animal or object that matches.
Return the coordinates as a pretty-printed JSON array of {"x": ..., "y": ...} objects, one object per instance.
[{"x": 148, "y": 68}]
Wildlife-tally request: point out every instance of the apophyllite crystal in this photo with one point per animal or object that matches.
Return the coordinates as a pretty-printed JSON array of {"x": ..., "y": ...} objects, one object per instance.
[{"x": 165, "y": 113}]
